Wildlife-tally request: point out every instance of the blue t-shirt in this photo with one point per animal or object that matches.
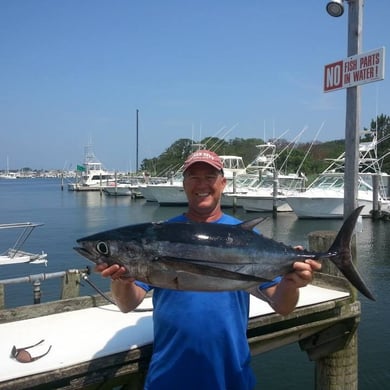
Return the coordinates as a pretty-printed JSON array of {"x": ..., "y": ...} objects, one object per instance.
[{"x": 200, "y": 338}]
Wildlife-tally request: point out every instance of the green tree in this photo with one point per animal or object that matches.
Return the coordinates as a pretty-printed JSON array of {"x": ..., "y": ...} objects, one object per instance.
[
  {"x": 170, "y": 160},
  {"x": 311, "y": 159}
]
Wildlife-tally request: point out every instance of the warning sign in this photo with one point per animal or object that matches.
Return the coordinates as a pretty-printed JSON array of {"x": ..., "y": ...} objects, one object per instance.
[{"x": 355, "y": 70}]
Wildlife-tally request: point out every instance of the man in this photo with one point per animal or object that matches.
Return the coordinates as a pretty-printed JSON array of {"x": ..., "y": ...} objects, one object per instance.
[{"x": 200, "y": 337}]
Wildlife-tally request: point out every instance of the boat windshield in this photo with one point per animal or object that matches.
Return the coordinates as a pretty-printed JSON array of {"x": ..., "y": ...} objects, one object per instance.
[
  {"x": 327, "y": 182},
  {"x": 103, "y": 177}
]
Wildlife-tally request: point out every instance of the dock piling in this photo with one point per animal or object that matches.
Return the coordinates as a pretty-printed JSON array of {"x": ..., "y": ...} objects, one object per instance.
[{"x": 337, "y": 370}]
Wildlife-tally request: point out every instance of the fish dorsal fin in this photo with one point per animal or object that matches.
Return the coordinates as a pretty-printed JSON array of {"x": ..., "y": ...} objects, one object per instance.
[{"x": 251, "y": 223}]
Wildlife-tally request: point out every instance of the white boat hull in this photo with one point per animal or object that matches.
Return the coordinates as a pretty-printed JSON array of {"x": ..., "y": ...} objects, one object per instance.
[
  {"x": 120, "y": 190},
  {"x": 264, "y": 203},
  {"x": 147, "y": 193},
  {"x": 324, "y": 198},
  {"x": 169, "y": 194},
  {"x": 324, "y": 206}
]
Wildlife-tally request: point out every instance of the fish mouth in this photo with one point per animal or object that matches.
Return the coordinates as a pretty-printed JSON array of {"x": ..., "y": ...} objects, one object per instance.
[{"x": 83, "y": 252}]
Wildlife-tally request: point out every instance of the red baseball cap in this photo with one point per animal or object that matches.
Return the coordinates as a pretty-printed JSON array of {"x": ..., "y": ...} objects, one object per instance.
[{"x": 204, "y": 156}]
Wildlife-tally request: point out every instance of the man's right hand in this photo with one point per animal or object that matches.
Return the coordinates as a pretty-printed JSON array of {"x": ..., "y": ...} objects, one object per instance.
[{"x": 114, "y": 271}]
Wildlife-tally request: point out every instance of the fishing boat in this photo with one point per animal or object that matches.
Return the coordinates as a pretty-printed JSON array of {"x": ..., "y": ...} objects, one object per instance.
[
  {"x": 271, "y": 194},
  {"x": 124, "y": 187},
  {"x": 146, "y": 187},
  {"x": 324, "y": 197},
  {"x": 237, "y": 186},
  {"x": 171, "y": 193},
  {"x": 91, "y": 176},
  {"x": 269, "y": 190},
  {"x": 15, "y": 254},
  {"x": 120, "y": 189},
  {"x": 233, "y": 166}
]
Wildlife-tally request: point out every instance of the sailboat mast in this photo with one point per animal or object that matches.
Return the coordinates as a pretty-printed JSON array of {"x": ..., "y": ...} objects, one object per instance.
[{"x": 136, "y": 152}]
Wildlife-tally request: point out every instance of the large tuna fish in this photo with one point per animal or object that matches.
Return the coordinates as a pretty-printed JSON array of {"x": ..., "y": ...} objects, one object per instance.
[{"x": 210, "y": 257}]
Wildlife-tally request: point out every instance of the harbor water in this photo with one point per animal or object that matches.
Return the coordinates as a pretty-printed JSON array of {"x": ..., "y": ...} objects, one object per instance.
[{"x": 68, "y": 216}]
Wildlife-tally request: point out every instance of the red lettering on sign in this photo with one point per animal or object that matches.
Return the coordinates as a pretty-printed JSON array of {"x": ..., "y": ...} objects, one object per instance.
[
  {"x": 333, "y": 76},
  {"x": 351, "y": 65},
  {"x": 355, "y": 70}
]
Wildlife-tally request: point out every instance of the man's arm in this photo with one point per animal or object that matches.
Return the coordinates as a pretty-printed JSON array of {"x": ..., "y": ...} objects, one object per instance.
[{"x": 283, "y": 297}]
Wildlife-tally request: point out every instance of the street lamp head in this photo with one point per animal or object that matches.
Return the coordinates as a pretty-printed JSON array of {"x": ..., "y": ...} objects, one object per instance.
[{"x": 335, "y": 8}]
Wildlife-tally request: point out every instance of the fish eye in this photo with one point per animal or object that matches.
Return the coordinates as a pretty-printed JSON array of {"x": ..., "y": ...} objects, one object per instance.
[{"x": 102, "y": 248}]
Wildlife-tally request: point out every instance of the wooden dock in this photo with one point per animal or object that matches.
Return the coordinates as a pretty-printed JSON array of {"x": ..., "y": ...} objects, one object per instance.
[{"x": 93, "y": 344}]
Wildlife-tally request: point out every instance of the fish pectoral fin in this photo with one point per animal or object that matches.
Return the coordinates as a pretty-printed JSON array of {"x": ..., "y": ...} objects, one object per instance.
[{"x": 209, "y": 270}]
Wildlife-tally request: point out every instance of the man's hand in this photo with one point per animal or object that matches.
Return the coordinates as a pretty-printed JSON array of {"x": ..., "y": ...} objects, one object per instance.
[
  {"x": 284, "y": 296},
  {"x": 114, "y": 271},
  {"x": 302, "y": 274}
]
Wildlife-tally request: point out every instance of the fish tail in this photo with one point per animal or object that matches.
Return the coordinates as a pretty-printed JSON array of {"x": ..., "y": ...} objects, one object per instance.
[{"x": 342, "y": 257}]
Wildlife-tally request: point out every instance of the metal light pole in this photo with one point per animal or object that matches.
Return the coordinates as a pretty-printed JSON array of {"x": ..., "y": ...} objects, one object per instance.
[
  {"x": 340, "y": 369},
  {"x": 353, "y": 105},
  {"x": 353, "y": 101}
]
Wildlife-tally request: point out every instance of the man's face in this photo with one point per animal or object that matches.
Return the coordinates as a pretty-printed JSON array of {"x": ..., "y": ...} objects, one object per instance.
[{"x": 203, "y": 186}]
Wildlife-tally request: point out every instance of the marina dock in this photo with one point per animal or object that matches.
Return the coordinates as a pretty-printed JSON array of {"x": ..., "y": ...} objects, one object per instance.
[{"x": 93, "y": 344}]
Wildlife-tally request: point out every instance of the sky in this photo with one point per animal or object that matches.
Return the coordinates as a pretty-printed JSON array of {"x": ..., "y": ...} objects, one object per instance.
[{"x": 74, "y": 72}]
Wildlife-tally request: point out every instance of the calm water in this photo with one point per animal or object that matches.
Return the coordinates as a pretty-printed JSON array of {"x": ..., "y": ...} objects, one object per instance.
[{"x": 70, "y": 215}]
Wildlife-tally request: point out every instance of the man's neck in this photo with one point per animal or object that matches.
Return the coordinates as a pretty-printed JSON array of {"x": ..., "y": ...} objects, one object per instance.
[{"x": 209, "y": 217}]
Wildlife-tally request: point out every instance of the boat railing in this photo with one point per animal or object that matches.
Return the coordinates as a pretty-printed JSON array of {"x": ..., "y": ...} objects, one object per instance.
[
  {"x": 16, "y": 250},
  {"x": 71, "y": 281}
]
